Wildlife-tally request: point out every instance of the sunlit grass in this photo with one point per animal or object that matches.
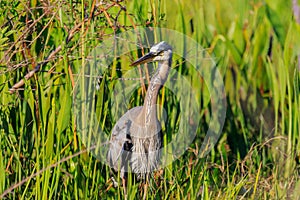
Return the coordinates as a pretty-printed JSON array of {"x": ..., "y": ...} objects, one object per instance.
[{"x": 256, "y": 47}]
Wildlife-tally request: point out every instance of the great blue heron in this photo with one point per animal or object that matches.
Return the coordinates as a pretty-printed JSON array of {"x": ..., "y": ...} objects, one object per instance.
[{"x": 136, "y": 137}]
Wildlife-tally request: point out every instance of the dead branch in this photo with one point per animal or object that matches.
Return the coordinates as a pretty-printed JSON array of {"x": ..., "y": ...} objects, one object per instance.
[{"x": 71, "y": 34}]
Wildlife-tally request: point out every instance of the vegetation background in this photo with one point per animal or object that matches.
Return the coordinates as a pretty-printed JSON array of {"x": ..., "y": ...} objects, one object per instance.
[{"x": 256, "y": 45}]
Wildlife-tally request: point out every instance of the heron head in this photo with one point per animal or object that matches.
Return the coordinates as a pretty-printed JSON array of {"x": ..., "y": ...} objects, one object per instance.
[{"x": 159, "y": 52}]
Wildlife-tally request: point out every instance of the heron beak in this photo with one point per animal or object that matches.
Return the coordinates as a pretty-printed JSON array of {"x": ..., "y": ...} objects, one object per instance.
[{"x": 146, "y": 58}]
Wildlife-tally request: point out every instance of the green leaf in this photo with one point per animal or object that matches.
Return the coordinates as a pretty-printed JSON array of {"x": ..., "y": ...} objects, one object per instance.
[
  {"x": 277, "y": 24},
  {"x": 3, "y": 40},
  {"x": 64, "y": 113}
]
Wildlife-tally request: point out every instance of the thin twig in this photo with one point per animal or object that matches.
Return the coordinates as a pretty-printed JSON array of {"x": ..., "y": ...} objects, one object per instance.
[
  {"x": 10, "y": 189},
  {"x": 53, "y": 53}
]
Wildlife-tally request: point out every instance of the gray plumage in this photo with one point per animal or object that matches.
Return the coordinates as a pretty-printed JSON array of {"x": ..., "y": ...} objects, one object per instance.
[{"x": 136, "y": 138}]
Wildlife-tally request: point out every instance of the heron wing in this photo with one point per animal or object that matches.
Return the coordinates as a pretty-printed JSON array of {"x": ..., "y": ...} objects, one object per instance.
[{"x": 120, "y": 143}]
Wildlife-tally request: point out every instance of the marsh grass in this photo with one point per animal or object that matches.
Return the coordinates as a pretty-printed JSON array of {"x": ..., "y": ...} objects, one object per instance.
[{"x": 255, "y": 45}]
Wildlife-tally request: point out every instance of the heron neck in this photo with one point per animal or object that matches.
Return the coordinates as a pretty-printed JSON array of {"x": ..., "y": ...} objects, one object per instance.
[{"x": 157, "y": 81}]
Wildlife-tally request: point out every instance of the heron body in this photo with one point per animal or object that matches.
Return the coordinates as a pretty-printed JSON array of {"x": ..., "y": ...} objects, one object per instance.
[{"x": 136, "y": 138}]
